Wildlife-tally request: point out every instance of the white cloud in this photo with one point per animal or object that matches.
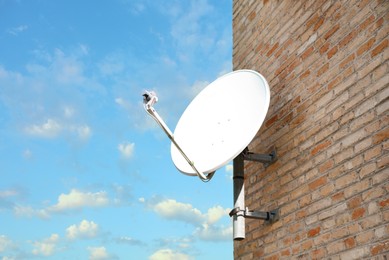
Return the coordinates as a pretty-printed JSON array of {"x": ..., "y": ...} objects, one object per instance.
[
  {"x": 86, "y": 229},
  {"x": 16, "y": 30},
  {"x": 84, "y": 132},
  {"x": 126, "y": 149},
  {"x": 46, "y": 247},
  {"x": 27, "y": 211},
  {"x": 68, "y": 111},
  {"x": 98, "y": 253},
  {"x": 216, "y": 213},
  {"x": 5, "y": 243},
  {"x": 168, "y": 254},
  {"x": 214, "y": 233},
  {"x": 51, "y": 128},
  {"x": 229, "y": 168},
  {"x": 129, "y": 241},
  {"x": 77, "y": 199},
  {"x": 206, "y": 227},
  {"x": 171, "y": 209}
]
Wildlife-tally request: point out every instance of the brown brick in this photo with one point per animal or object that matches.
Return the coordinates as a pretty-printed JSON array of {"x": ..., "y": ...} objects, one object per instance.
[
  {"x": 346, "y": 61},
  {"x": 365, "y": 47},
  {"x": 380, "y": 48},
  {"x": 318, "y": 183},
  {"x": 332, "y": 52},
  {"x": 358, "y": 213},
  {"x": 331, "y": 31},
  {"x": 384, "y": 203},
  {"x": 323, "y": 69},
  {"x": 377, "y": 249},
  {"x": 314, "y": 232},
  {"x": 320, "y": 147},
  {"x": 346, "y": 40},
  {"x": 381, "y": 136},
  {"x": 354, "y": 202}
]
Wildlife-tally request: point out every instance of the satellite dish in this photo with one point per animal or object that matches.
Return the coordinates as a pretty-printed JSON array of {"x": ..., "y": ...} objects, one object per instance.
[
  {"x": 216, "y": 128},
  {"x": 221, "y": 121}
]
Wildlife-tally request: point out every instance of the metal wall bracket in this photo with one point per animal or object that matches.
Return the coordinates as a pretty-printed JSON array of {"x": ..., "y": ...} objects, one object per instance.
[
  {"x": 266, "y": 159},
  {"x": 271, "y": 216}
]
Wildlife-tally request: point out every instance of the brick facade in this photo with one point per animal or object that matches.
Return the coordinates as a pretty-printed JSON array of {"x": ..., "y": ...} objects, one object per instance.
[{"x": 327, "y": 66}]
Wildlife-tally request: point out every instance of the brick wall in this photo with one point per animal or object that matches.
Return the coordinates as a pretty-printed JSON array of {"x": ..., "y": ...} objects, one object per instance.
[{"x": 327, "y": 66}]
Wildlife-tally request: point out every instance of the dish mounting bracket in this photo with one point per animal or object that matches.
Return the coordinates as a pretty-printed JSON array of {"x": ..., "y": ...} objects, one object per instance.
[
  {"x": 239, "y": 213},
  {"x": 266, "y": 159},
  {"x": 271, "y": 216}
]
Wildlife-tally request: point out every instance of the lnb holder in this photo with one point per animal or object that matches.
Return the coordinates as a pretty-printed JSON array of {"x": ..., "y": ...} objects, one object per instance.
[{"x": 270, "y": 216}]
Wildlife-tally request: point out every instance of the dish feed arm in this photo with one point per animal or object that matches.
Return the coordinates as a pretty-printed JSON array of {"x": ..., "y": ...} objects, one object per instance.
[{"x": 149, "y": 99}]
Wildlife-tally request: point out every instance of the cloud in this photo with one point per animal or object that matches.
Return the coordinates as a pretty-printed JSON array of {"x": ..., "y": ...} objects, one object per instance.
[
  {"x": 49, "y": 129},
  {"x": 52, "y": 128},
  {"x": 216, "y": 213},
  {"x": 99, "y": 253},
  {"x": 229, "y": 168},
  {"x": 206, "y": 227},
  {"x": 72, "y": 201},
  {"x": 214, "y": 233},
  {"x": 46, "y": 247},
  {"x": 77, "y": 200},
  {"x": 27, "y": 211},
  {"x": 126, "y": 149},
  {"x": 168, "y": 254},
  {"x": 68, "y": 111},
  {"x": 86, "y": 229},
  {"x": 17, "y": 30},
  {"x": 173, "y": 210},
  {"x": 129, "y": 241},
  {"x": 84, "y": 132},
  {"x": 5, "y": 243}
]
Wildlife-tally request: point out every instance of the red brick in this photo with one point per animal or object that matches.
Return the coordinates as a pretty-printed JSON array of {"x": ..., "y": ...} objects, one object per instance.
[
  {"x": 346, "y": 40},
  {"x": 252, "y": 16},
  {"x": 324, "y": 48},
  {"x": 320, "y": 147},
  {"x": 367, "y": 22},
  {"x": 380, "y": 48},
  {"x": 381, "y": 136},
  {"x": 365, "y": 47},
  {"x": 314, "y": 232},
  {"x": 331, "y": 32},
  {"x": 326, "y": 166},
  {"x": 358, "y": 213},
  {"x": 323, "y": 69},
  {"x": 332, "y": 52},
  {"x": 346, "y": 61},
  {"x": 354, "y": 202},
  {"x": 349, "y": 242},
  {"x": 384, "y": 203}
]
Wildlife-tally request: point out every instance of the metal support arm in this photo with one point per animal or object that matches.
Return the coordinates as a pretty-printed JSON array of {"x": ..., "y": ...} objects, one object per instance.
[
  {"x": 266, "y": 159},
  {"x": 270, "y": 216}
]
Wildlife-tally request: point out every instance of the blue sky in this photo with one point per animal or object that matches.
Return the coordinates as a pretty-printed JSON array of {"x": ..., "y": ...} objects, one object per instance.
[{"x": 85, "y": 172}]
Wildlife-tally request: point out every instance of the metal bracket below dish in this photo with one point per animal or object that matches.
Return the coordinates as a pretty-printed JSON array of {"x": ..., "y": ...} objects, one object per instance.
[
  {"x": 271, "y": 216},
  {"x": 266, "y": 159}
]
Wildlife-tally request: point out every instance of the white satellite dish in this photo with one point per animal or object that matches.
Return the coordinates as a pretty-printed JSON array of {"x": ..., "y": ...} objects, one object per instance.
[
  {"x": 216, "y": 128},
  {"x": 221, "y": 121}
]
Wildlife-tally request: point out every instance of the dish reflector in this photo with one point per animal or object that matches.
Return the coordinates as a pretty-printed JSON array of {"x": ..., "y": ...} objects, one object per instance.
[{"x": 221, "y": 121}]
